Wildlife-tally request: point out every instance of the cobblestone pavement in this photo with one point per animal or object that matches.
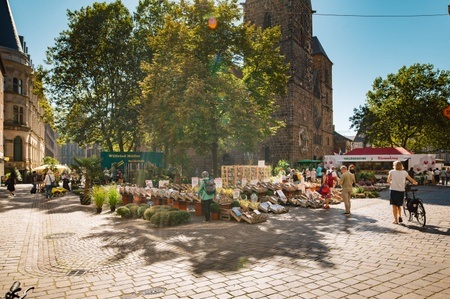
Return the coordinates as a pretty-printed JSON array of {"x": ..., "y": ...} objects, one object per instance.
[{"x": 66, "y": 250}]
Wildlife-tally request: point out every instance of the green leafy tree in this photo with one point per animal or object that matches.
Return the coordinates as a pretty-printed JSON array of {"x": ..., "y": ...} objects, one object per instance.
[
  {"x": 200, "y": 92},
  {"x": 39, "y": 90},
  {"x": 94, "y": 79},
  {"x": 406, "y": 110},
  {"x": 50, "y": 160}
]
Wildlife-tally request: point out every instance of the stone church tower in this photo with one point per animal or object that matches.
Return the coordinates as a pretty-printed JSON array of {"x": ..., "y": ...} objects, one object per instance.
[{"x": 307, "y": 108}]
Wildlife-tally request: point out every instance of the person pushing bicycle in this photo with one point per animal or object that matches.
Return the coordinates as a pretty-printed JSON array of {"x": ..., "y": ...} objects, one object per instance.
[{"x": 396, "y": 179}]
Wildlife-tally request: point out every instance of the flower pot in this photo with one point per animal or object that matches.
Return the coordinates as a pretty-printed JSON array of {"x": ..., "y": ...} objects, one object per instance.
[
  {"x": 182, "y": 205},
  {"x": 214, "y": 216},
  {"x": 176, "y": 204},
  {"x": 137, "y": 199},
  {"x": 113, "y": 208},
  {"x": 198, "y": 209},
  {"x": 99, "y": 210},
  {"x": 126, "y": 199}
]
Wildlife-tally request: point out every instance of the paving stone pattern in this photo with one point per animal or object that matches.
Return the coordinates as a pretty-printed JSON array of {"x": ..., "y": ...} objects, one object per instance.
[{"x": 66, "y": 250}]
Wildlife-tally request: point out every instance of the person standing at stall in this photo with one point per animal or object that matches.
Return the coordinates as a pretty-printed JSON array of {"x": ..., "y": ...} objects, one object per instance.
[
  {"x": 205, "y": 196},
  {"x": 319, "y": 173},
  {"x": 329, "y": 182},
  {"x": 49, "y": 182},
  {"x": 347, "y": 181}
]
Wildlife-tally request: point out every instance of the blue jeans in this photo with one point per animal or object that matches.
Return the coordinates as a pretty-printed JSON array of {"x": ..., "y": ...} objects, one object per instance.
[{"x": 48, "y": 191}]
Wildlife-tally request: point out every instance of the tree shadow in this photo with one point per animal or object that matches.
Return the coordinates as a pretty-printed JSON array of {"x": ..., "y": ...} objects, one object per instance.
[
  {"x": 298, "y": 236},
  {"x": 229, "y": 246}
]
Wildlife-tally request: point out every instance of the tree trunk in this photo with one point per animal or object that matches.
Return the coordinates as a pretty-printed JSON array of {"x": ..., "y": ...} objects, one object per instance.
[{"x": 215, "y": 149}]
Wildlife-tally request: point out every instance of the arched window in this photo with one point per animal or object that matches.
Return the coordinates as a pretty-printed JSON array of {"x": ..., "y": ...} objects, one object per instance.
[
  {"x": 18, "y": 149},
  {"x": 17, "y": 85}
]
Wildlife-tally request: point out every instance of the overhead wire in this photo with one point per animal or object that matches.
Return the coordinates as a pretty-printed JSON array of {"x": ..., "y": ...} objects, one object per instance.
[{"x": 379, "y": 16}]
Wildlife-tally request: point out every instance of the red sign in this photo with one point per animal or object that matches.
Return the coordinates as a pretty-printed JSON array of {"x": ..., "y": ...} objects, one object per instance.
[{"x": 447, "y": 112}]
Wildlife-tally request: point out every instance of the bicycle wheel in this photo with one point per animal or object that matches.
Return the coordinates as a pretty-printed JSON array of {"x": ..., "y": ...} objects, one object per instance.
[
  {"x": 405, "y": 209},
  {"x": 420, "y": 214}
]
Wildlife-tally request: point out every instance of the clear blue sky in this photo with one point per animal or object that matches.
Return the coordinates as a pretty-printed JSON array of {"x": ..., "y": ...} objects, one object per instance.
[{"x": 361, "y": 48}]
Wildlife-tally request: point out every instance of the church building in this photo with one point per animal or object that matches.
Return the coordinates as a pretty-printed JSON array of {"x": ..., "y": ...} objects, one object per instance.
[{"x": 307, "y": 107}]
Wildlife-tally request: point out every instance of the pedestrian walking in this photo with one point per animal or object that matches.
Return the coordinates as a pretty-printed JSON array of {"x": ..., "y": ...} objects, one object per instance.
[
  {"x": 443, "y": 175},
  {"x": 447, "y": 177},
  {"x": 397, "y": 179},
  {"x": 346, "y": 181},
  {"x": 10, "y": 183},
  {"x": 437, "y": 175},
  {"x": 205, "y": 196}
]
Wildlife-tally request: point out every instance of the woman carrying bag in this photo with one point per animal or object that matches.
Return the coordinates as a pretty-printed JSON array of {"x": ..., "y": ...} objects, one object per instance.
[{"x": 49, "y": 182}]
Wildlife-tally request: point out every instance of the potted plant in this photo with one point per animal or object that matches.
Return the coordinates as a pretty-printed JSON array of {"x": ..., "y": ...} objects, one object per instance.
[
  {"x": 215, "y": 210},
  {"x": 91, "y": 170},
  {"x": 113, "y": 197},
  {"x": 98, "y": 196}
]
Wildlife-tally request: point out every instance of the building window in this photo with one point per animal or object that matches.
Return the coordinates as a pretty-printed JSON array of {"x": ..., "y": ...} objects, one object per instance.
[
  {"x": 18, "y": 115},
  {"x": 17, "y": 85},
  {"x": 18, "y": 149}
]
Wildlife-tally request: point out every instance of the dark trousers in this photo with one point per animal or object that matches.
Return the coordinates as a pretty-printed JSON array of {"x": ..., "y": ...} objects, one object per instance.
[{"x": 207, "y": 209}]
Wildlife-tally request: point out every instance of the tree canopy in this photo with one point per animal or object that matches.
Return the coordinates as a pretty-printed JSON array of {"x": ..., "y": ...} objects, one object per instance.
[
  {"x": 212, "y": 87},
  {"x": 94, "y": 77},
  {"x": 175, "y": 76},
  {"x": 406, "y": 110}
]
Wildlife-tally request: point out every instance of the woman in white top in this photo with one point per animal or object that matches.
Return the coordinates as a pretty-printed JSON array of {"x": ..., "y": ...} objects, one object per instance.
[
  {"x": 49, "y": 181},
  {"x": 396, "y": 179}
]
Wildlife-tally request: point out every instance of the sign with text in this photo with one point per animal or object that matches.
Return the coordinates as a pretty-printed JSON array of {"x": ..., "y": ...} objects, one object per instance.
[
  {"x": 218, "y": 182},
  {"x": 194, "y": 182}
]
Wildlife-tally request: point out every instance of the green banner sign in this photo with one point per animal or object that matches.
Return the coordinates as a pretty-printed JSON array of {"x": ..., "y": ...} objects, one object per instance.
[{"x": 121, "y": 159}]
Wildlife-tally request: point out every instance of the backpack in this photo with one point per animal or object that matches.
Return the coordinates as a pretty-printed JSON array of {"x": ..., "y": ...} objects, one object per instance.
[{"x": 210, "y": 187}]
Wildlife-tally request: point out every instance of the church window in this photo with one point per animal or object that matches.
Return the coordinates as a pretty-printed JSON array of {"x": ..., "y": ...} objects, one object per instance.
[
  {"x": 18, "y": 149},
  {"x": 316, "y": 84},
  {"x": 267, "y": 21}
]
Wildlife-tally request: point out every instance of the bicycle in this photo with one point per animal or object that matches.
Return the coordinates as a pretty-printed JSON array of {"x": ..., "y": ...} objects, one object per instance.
[
  {"x": 15, "y": 289},
  {"x": 414, "y": 206}
]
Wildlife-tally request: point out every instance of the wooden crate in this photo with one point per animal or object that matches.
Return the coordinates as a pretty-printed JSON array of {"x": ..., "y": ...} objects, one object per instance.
[
  {"x": 233, "y": 174},
  {"x": 225, "y": 214}
]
